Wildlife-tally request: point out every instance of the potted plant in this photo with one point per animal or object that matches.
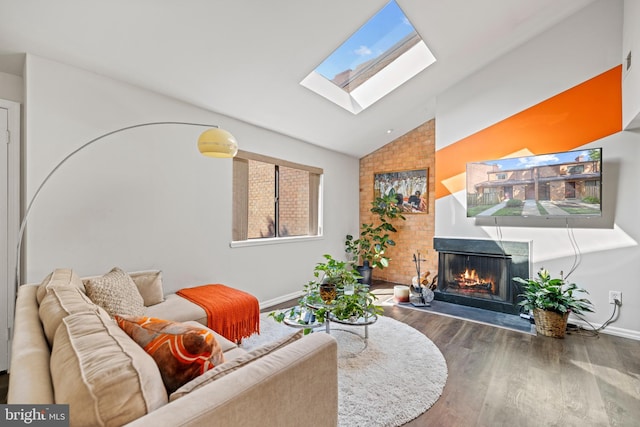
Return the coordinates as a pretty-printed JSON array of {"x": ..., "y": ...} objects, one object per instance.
[
  {"x": 335, "y": 293},
  {"x": 551, "y": 300},
  {"x": 333, "y": 274},
  {"x": 302, "y": 313},
  {"x": 374, "y": 239},
  {"x": 358, "y": 304}
]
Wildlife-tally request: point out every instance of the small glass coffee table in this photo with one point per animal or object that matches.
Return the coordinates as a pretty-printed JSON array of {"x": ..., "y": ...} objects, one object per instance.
[
  {"x": 349, "y": 348},
  {"x": 360, "y": 321},
  {"x": 364, "y": 321},
  {"x": 302, "y": 318}
]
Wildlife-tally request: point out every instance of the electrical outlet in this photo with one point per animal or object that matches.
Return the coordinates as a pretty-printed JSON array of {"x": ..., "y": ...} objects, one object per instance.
[{"x": 615, "y": 295}]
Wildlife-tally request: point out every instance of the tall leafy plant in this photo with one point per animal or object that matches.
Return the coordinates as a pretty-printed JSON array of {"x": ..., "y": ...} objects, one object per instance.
[{"x": 375, "y": 238}]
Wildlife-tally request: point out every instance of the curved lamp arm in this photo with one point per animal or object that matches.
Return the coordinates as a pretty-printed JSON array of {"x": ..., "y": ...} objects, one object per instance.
[{"x": 212, "y": 143}]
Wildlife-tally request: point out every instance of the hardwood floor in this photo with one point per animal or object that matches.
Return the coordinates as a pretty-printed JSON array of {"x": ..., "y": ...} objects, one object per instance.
[
  {"x": 4, "y": 386},
  {"x": 499, "y": 377}
]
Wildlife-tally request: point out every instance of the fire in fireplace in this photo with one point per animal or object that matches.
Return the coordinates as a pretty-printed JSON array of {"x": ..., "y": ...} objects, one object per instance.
[
  {"x": 476, "y": 275},
  {"x": 470, "y": 281},
  {"x": 479, "y": 273}
]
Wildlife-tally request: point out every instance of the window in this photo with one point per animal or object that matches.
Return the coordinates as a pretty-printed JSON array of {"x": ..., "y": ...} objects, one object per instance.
[
  {"x": 501, "y": 176},
  {"x": 274, "y": 198},
  {"x": 575, "y": 170},
  {"x": 383, "y": 54}
]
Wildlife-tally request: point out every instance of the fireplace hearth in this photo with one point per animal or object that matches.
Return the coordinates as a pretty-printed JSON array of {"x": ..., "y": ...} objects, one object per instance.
[{"x": 479, "y": 273}]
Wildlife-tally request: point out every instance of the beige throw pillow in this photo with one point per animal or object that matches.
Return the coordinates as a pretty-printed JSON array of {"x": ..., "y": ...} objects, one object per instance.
[
  {"x": 104, "y": 376},
  {"x": 116, "y": 293},
  {"x": 149, "y": 284},
  {"x": 233, "y": 365},
  {"x": 59, "y": 302},
  {"x": 59, "y": 277}
]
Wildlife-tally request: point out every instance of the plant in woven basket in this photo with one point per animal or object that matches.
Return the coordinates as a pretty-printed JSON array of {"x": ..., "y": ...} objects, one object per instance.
[{"x": 544, "y": 294}]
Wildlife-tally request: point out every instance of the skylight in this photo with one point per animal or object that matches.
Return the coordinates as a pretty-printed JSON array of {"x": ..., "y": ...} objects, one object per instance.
[{"x": 383, "y": 54}]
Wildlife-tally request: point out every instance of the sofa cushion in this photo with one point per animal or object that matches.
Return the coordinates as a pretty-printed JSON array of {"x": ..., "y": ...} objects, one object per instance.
[
  {"x": 177, "y": 309},
  {"x": 116, "y": 293},
  {"x": 235, "y": 364},
  {"x": 30, "y": 379},
  {"x": 59, "y": 302},
  {"x": 105, "y": 377},
  {"x": 59, "y": 277},
  {"x": 181, "y": 351},
  {"x": 149, "y": 284}
]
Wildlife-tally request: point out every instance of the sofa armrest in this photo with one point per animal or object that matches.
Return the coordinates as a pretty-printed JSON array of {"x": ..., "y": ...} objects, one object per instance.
[
  {"x": 295, "y": 385},
  {"x": 30, "y": 378}
]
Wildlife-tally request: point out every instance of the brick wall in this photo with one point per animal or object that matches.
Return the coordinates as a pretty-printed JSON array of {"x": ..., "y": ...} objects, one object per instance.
[
  {"x": 261, "y": 194},
  {"x": 414, "y": 150},
  {"x": 294, "y": 200}
]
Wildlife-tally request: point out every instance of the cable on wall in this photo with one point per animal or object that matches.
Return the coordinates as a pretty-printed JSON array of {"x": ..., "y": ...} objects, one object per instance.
[
  {"x": 499, "y": 235},
  {"x": 595, "y": 332},
  {"x": 577, "y": 258}
]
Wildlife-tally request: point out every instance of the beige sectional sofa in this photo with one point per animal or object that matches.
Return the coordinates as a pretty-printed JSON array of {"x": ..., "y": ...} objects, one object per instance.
[{"x": 66, "y": 349}]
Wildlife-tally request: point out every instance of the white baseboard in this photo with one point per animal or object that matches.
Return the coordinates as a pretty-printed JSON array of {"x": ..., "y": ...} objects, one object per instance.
[
  {"x": 610, "y": 330},
  {"x": 280, "y": 299}
]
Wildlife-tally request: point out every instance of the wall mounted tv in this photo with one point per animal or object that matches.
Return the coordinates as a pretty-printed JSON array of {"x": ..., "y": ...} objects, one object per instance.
[{"x": 554, "y": 185}]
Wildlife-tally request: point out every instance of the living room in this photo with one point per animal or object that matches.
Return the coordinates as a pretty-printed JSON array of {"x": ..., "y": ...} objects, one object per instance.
[{"x": 141, "y": 201}]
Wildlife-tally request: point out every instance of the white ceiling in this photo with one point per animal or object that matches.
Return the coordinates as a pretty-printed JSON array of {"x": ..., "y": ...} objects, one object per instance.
[{"x": 245, "y": 58}]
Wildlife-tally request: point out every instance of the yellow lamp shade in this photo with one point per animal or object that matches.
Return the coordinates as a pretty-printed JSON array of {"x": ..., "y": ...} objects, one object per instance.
[{"x": 217, "y": 143}]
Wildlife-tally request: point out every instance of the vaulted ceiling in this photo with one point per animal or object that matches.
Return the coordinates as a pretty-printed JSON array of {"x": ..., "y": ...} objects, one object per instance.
[{"x": 245, "y": 58}]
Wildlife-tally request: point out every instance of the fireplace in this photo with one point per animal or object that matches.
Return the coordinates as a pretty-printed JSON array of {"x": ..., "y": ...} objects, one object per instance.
[{"x": 479, "y": 273}]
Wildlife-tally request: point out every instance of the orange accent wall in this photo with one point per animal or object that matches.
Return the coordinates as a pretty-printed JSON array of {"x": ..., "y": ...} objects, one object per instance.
[{"x": 584, "y": 113}]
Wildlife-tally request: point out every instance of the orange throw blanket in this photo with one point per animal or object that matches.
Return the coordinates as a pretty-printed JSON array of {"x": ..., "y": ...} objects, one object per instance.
[{"x": 232, "y": 313}]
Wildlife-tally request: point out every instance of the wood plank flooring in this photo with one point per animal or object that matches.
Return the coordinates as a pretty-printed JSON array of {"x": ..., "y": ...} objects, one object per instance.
[
  {"x": 499, "y": 377},
  {"x": 4, "y": 387}
]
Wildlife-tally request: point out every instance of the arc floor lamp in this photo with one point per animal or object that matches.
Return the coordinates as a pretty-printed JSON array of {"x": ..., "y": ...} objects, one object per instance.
[{"x": 213, "y": 142}]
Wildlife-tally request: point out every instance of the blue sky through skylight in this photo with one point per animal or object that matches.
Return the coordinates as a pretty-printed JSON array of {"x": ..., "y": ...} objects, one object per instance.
[
  {"x": 539, "y": 160},
  {"x": 383, "y": 54},
  {"x": 381, "y": 32}
]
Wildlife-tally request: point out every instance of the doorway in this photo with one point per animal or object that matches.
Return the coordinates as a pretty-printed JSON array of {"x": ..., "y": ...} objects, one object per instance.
[
  {"x": 570, "y": 190},
  {"x": 10, "y": 219}
]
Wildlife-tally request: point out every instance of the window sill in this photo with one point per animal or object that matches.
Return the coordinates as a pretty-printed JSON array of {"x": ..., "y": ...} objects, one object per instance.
[{"x": 272, "y": 241}]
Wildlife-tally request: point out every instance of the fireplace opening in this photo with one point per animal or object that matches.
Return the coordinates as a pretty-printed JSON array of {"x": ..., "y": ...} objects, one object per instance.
[
  {"x": 480, "y": 273},
  {"x": 476, "y": 276}
]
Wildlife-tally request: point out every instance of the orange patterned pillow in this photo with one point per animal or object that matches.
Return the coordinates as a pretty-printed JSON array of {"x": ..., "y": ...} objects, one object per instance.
[{"x": 181, "y": 351}]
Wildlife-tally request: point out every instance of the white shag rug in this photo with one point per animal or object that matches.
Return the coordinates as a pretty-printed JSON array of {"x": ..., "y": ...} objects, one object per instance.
[{"x": 397, "y": 376}]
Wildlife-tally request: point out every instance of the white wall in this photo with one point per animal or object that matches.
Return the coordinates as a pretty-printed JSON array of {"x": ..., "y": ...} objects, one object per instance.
[
  {"x": 11, "y": 87},
  {"x": 631, "y": 75},
  {"x": 147, "y": 199},
  {"x": 585, "y": 45}
]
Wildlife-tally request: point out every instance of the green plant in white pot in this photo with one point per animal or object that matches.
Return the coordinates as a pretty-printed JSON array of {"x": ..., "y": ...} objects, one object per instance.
[{"x": 551, "y": 300}]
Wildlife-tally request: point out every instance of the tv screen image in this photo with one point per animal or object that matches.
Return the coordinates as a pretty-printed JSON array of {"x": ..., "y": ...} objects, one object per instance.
[{"x": 553, "y": 185}]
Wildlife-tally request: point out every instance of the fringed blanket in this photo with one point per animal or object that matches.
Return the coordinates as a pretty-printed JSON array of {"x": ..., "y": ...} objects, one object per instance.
[{"x": 232, "y": 313}]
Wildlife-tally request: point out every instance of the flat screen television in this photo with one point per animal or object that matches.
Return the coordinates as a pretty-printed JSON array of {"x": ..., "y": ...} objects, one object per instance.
[{"x": 553, "y": 185}]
